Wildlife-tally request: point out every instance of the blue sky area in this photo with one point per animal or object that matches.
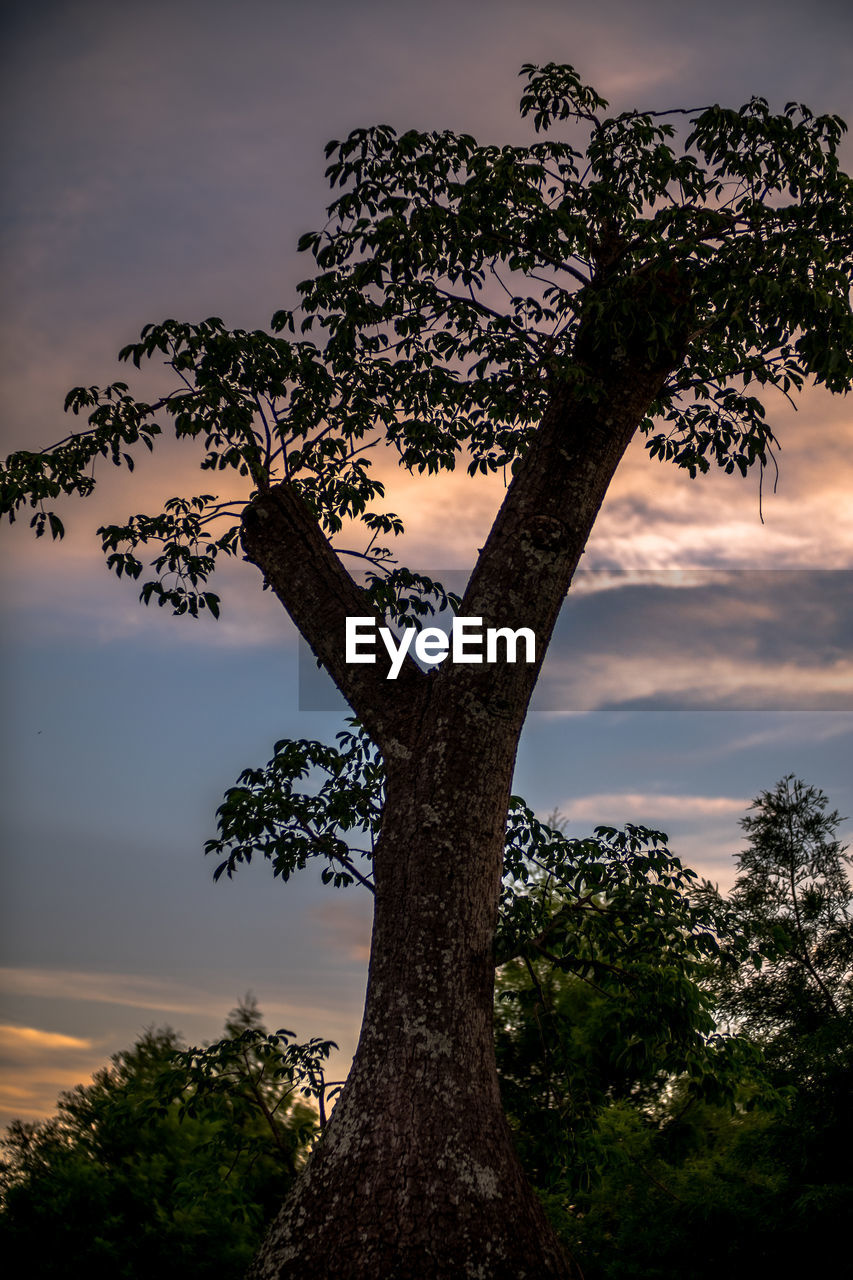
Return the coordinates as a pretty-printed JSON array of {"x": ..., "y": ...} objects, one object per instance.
[{"x": 163, "y": 161}]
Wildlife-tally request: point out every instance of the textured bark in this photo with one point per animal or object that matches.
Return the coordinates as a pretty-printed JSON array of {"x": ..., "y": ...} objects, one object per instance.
[{"x": 416, "y": 1177}]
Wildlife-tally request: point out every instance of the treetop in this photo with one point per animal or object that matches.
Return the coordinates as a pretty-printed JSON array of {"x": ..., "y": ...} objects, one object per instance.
[{"x": 459, "y": 288}]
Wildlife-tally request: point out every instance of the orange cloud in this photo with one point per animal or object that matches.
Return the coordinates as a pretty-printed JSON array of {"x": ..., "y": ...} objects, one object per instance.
[
  {"x": 37, "y": 1065},
  {"x": 28, "y": 1039},
  {"x": 653, "y": 805}
]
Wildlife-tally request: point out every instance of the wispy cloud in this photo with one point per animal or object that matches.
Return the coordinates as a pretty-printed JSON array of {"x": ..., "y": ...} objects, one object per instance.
[
  {"x": 133, "y": 991},
  {"x": 31, "y": 1092},
  {"x": 304, "y": 1007},
  {"x": 802, "y": 728},
  {"x": 14, "y": 1038},
  {"x": 702, "y": 830},
  {"x": 643, "y": 807},
  {"x": 36, "y": 1064},
  {"x": 655, "y": 516},
  {"x": 575, "y": 686},
  {"x": 593, "y": 581},
  {"x": 153, "y": 994}
]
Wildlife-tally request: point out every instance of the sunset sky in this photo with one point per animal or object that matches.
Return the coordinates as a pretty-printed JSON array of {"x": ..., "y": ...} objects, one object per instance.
[{"x": 161, "y": 160}]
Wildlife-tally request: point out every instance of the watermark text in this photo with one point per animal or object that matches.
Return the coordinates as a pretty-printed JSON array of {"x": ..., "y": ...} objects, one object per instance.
[{"x": 431, "y": 645}]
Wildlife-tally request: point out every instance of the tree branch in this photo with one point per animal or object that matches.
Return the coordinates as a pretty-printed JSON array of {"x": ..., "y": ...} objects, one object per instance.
[
  {"x": 282, "y": 537},
  {"x": 525, "y": 568}
]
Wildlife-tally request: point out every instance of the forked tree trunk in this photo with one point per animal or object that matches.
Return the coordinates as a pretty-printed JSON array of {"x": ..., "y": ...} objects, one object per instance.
[{"x": 416, "y": 1175}]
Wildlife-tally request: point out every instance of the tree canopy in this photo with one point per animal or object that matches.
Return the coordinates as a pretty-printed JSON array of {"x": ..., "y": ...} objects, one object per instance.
[
  {"x": 170, "y": 1162},
  {"x": 673, "y": 1183},
  {"x": 458, "y": 286}
]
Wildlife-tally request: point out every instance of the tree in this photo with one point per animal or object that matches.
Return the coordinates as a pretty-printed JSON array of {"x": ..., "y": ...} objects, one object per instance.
[
  {"x": 169, "y": 1163},
  {"x": 688, "y": 1187},
  {"x": 529, "y": 308},
  {"x": 795, "y": 900},
  {"x": 605, "y": 1016}
]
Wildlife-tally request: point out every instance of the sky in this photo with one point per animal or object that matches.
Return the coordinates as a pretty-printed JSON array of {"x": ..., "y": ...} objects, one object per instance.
[{"x": 162, "y": 160}]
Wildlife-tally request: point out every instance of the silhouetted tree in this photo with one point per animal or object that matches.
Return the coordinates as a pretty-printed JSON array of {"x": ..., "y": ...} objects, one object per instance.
[
  {"x": 528, "y": 308},
  {"x": 170, "y": 1163}
]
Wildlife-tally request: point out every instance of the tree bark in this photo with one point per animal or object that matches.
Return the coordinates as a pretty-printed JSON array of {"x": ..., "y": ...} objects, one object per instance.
[{"x": 415, "y": 1177}]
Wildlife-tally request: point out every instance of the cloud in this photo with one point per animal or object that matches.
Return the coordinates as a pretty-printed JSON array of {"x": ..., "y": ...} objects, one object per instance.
[
  {"x": 647, "y": 806},
  {"x": 137, "y": 991},
  {"x": 167, "y": 996},
  {"x": 14, "y": 1038},
  {"x": 742, "y": 640},
  {"x": 36, "y": 1064},
  {"x": 673, "y": 681},
  {"x": 592, "y": 581},
  {"x": 31, "y": 1094},
  {"x": 655, "y": 516},
  {"x": 133, "y": 991},
  {"x": 702, "y": 830},
  {"x": 802, "y": 728}
]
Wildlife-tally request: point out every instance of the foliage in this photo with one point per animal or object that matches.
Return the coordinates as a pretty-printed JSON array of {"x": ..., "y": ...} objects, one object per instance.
[
  {"x": 604, "y": 942},
  {"x": 795, "y": 898},
  {"x": 336, "y": 822},
  {"x": 703, "y": 1193},
  {"x": 169, "y": 1163},
  {"x": 644, "y": 1175},
  {"x": 608, "y": 999},
  {"x": 458, "y": 288},
  {"x": 260, "y": 1072}
]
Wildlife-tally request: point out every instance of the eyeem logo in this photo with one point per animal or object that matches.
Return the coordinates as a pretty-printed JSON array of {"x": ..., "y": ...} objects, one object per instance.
[{"x": 432, "y": 645}]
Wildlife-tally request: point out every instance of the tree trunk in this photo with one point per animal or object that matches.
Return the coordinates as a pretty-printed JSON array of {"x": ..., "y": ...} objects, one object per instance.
[{"x": 416, "y": 1176}]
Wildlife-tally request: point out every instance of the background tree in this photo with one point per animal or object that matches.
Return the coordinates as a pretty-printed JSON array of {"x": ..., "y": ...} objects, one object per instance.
[
  {"x": 169, "y": 1163},
  {"x": 528, "y": 308},
  {"x": 795, "y": 901},
  {"x": 607, "y": 997},
  {"x": 654, "y": 1168}
]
